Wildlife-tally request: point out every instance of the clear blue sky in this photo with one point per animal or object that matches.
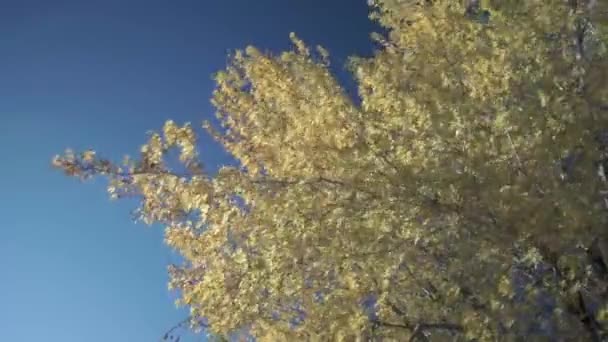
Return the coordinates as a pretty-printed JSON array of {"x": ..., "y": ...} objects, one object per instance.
[{"x": 99, "y": 74}]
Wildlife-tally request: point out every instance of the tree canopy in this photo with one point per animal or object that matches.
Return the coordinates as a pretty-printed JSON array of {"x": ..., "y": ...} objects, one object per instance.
[{"x": 461, "y": 196}]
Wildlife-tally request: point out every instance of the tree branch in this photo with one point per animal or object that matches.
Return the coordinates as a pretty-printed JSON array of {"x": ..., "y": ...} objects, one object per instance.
[{"x": 420, "y": 328}]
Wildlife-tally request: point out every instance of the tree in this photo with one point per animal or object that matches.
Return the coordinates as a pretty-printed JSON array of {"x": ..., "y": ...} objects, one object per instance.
[{"x": 462, "y": 197}]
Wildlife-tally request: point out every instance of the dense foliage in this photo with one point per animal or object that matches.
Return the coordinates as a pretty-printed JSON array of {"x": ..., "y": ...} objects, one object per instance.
[{"x": 462, "y": 197}]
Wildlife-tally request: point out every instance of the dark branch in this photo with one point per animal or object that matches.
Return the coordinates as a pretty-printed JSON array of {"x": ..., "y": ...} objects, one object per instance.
[{"x": 420, "y": 328}]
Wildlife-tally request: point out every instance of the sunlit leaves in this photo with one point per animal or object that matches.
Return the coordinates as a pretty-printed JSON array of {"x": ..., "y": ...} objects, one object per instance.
[{"x": 465, "y": 189}]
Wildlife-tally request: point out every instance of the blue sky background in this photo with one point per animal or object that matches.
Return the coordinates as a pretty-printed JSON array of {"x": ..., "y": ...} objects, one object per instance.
[{"x": 99, "y": 74}]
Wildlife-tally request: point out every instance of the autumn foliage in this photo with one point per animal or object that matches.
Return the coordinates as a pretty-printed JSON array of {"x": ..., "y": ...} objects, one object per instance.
[{"x": 463, "y": 196}]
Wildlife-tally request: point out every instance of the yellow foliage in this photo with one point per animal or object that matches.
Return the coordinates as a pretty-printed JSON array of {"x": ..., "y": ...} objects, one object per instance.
[{"x": 458, "y": 191}]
